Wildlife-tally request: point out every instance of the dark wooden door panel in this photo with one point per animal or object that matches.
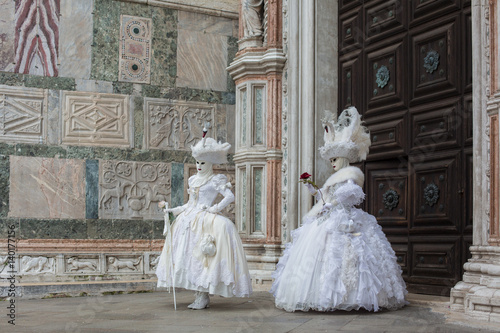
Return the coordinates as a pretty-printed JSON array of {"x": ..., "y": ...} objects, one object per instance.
[
  {"x": 385, "y": 19},
  {"x": 424, "y": 10},
  {"x": 388, "y": 134},
  {"x": 351, "y": 80},
  {"x": 387, "y": 187},
  {"x": 435, "y": 58},
  {"x": 435, "y": 262},
  {"x": 347, "y": 4},
  {"x": 351, "y": 35},
  {"x": 436, "y": 126},
  {"x": 386, "y": 73},
  {"x": 434, "y": 183}
]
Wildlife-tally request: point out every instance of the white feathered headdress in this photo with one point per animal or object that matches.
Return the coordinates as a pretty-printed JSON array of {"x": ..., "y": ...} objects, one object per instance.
[
  {"x": 347, "y": 137},
  {"x": 209, "y": 150}
]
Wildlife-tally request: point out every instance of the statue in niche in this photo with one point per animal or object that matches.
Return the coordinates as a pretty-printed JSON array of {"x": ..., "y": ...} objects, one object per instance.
[{"x": 251, "y": 16}]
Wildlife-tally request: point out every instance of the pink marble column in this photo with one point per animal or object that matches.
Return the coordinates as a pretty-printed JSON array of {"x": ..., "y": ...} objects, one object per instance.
[
  {"x": 273, "y": 162},
  {"x": 494, "y": 236}
]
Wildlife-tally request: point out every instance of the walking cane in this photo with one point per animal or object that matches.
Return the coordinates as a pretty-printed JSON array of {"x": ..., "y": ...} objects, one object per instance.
[{"x": 169, "y": 236}]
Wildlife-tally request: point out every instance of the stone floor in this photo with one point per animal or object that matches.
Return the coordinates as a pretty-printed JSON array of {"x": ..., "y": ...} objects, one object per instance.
[{"x": 154, "y": 312}]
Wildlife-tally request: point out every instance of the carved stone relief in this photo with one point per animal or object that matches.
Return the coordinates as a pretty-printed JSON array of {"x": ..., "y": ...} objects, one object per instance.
[
  {"x": 124, "y": 264},
  {"x": 175, "y": 124},
  {"x": 135, "y": 49},
  {"x": 229, "y": 211},
  {"x": 153, "y": 260},
  {"x": 22, "y": 114},
  {"x": 94, "y": 119},
  {"x": 75, "y": 264},
  {"x": 37, "y": 265},
  {"x": 133, "y": 189}
]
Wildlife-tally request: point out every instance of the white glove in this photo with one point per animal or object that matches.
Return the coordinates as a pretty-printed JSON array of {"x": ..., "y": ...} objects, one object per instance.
[
  {"x": 326, "y": 207},
  {"x": 213, "y": 209},
  {"x": 311, "y": 189}
]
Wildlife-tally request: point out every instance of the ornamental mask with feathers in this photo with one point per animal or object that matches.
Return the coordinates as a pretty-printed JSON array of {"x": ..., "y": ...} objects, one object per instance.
[
  {"x": 209, "y": 150},
  {"x": 346, "y": 137}
]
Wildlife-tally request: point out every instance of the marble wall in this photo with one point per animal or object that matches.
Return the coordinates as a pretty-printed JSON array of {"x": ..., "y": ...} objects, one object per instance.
[{"x": 93, "y": 137}]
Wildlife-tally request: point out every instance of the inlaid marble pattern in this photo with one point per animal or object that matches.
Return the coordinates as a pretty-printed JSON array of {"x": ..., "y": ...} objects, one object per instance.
[
  {"x": 37, "y": 37},
  {"x": 22, "y": 114},
  {"x": 95, "y": 119},
  {"x": 133, "y": 189},
  {"x": 175, "y": 124},
  {"x": 202, "y": 53},
  {"x": 56, "y": 188},
  {"x": 135, "y": 49},
  {"x": 7, "y": 35},
  {"x": 229, "y": 171}
]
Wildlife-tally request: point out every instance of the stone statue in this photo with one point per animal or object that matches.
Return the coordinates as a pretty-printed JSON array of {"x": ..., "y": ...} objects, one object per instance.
[{"x": 251, "y": 16}]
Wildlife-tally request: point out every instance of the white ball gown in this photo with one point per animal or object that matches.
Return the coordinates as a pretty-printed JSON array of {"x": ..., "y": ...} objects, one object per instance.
[
  {"x": 226, "y": 272},
  {"x": 339, "y": 258}
]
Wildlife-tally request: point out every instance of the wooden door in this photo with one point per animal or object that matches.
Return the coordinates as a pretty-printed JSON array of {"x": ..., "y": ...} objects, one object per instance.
[{"x": 407, "y": 67}]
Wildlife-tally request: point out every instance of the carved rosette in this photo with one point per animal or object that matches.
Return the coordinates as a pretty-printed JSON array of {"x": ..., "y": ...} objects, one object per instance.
[
  {"x": 431, "y": 61},
  {"x": 133, "y": 189},
  {"x": 390, "y": 199},
  {"x": 431, "y": 194},
  {"x": 383, "y": 76},
  {"x": 176, "y": 124}
]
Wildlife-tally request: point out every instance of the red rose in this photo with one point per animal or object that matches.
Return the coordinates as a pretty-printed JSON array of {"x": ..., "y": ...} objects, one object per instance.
[{"x": 305, "y": 175}]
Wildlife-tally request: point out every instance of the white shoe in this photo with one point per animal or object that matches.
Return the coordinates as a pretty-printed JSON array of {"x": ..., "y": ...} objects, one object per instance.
[
  {"x": 202, "y": 301},
  {"x": 190, "y": 306}
]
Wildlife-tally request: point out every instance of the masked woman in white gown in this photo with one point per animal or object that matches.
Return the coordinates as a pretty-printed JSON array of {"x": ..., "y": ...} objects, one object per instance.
[
  {"x": 206, "y": 249},
  {"x": 339, "y": 259}
]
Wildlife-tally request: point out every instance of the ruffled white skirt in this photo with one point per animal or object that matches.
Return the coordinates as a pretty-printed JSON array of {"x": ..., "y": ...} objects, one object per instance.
[
  {"x": 225, "y": 273},
  {"x": 339, "y": 261}
]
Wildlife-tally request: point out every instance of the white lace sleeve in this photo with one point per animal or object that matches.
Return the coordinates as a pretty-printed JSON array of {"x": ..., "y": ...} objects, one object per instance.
[
  {"x": 223, "y": 187},
  {"x": 349, "y": 194}
]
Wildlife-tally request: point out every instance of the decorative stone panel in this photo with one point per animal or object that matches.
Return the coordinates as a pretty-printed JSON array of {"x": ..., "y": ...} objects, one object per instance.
[
  {"x": 22, "y": 114},
  {"x": 56, "y": 188},
  {"x": 94, "y": 119},
  {"x": 229, "y": 171},
  {"x": 151, "y": 262},
  {"x": 135, "y": 49},
  {"x": 32, "y": 265},
  {"x": 81, "y": 264},
  {"x": 124, "y": 264},
  {"x": 176, "y": 124},
  {"x": 133, "y": 189}
]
